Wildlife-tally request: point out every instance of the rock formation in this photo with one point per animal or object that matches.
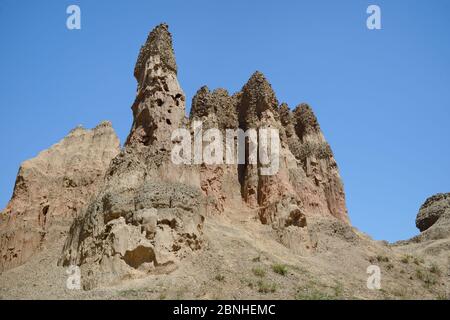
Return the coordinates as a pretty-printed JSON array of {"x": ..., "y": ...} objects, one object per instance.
[
  {"x": 137, "y": 213},
  {"x": 52, "y": 189},
  {"x": 149, "y": 213},
  {"x": 433, "y": 219},
  {"x": 308, "y": 174}
]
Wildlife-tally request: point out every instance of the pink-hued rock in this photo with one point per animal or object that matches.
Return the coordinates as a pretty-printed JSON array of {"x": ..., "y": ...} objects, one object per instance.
[{"x": 52, "y": 189}]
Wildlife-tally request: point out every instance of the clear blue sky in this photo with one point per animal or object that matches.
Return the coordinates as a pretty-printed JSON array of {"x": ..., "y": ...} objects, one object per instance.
[{"x": 382, "y": 97}]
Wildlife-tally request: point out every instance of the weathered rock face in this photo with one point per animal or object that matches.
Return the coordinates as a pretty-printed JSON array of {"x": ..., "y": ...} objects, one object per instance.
[
  {"x": 307, "y": 182},
  {"x": 433, "y": 219},
  {"x": 149, "y": 213},
  {"x": 432, "y": 210},
  {"x": 160, "y": 103},
  {"x": 308, "y": 176},
  {"x": 52, "y": 189}
]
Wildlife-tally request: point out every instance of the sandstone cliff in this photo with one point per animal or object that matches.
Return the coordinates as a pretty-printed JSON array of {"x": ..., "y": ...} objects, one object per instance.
[
  {"x": 149, "y": 213},
  {"x": 52, "y": 189}
]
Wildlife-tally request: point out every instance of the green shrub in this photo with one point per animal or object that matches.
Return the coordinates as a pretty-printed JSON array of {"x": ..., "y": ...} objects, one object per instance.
[
  {"x": 435, "y": 269},
  {"x": 406, "y": 258},
  {"x": 280, "y": 269},
  {"x": 259, "y": 272},
  {"x": 257, "y": 259},
  {"x": 381, "y": 258},
  {"x": 264, "y": 287},
  {"x": 219, "y": 277}
]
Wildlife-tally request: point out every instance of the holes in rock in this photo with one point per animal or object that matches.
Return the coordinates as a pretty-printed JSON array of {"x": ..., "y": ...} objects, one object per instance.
[
  {"x": 177, "y": 97},
  {"x": 296, "y": 218},
  {"x": 135, "y": 258},
  {"x": 159, "y": 102},
  {"x": 168, "y": 122},
  {"x": 171, "y": 223},
  {"x": 43, "y": 216}
]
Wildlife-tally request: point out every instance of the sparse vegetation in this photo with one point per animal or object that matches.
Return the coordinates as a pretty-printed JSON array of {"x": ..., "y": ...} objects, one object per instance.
[
  {"x": 264, "y": 287},
  {"x": 442, "y": 296},
  {"x": 338, "y": 289},
  {"x": 219, "y": 277},
  {"x": 180, "y": 293},
  {"x": 419, "y": 274},
  {"x": 280, "y": 269},
  {"x": 162, "y": 296},
  {"x": 259, "y": 272},
  {"x": 381, "y": 258},
  {"x": 406, "y": 258},
  {"x": 389, "y": 266},
  {"x": 428, "y": 279},
  {"x": 418, "y": 261},
  {"x": 257, "y": 259},
  {"x": 313, "y": 290},
  {"x": 435, "y": 269},
  {"x": 312, "y": 294},
  {"x": 400, "y": 292}
]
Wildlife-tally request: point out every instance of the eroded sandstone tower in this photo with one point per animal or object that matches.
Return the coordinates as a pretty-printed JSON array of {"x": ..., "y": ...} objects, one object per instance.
[{"x": 149, "y": 213}]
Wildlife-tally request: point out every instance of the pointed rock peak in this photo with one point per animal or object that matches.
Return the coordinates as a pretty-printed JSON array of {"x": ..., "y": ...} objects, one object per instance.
[
  {"x": 199, "y": 102},
  {"x": 258, "y": 77},
  {"x": 258, "y": 94},
  {"x": 306, "y": 120},
  {"x": 202, "y": 91},
  {"x": 258, "y": 82},
  {"x": 78, "y": 128},
  {"x": 284, "y": 108},
  {"x": 285, "y": 114},
  {"x": 104, "y": 124},
  {"x": 159, "y": 43}
]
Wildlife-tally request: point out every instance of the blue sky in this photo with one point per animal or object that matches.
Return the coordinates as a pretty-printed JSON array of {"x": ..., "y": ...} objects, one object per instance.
[{"x": 382, "y": 97}]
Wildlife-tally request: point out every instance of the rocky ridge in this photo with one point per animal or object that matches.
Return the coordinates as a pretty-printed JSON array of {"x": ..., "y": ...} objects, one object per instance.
[
  {"x": 149, "y": 213},
  {"x": 162, "y": 226},
  {"x": 52, "y": 189}
]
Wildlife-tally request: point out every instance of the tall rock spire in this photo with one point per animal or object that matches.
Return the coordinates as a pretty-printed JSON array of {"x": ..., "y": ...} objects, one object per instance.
[
  {"x": 149, "y": 213},
  {"x": 159, "y": 106}
]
